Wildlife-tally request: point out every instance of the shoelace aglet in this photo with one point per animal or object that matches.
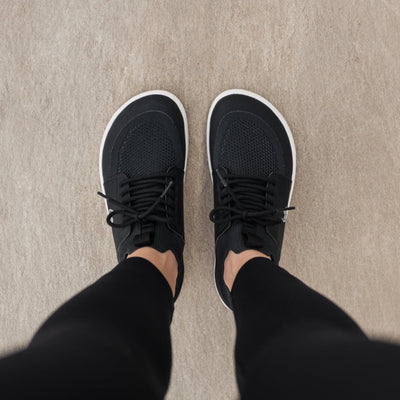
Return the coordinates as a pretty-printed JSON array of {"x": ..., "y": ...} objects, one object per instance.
[
  {"x": 223, "y": 181},
  {"x": 166, "y": 189},
  {"x": 289, "y": 208}
]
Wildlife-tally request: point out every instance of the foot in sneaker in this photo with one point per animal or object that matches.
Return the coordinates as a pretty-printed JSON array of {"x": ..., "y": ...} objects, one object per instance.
[
  {"x": 252, "y": 162},
  {"x": 142, "y": 165}
]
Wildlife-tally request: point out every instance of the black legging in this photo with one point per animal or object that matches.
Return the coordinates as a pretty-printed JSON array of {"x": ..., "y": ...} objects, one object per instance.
[{"x": 112, "y": 340}]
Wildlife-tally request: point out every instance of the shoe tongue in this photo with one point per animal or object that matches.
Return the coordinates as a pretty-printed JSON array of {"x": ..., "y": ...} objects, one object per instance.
[
  {"x": 152, "y": 234},
  {"x": 144, "y": 234},
  {"x": 253, "y": 235},
  {"x": 240, "y": 237},
  {"x": 138, "y": 235}
]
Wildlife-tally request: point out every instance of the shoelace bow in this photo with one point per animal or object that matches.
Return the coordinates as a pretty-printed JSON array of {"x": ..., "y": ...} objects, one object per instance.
[
  {"x": 144, "y": 200},
  {"x": 247, "y": 199}
]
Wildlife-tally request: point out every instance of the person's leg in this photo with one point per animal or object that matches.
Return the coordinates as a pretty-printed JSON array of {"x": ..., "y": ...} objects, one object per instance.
[
  {"x": 291, "y": 341},
  {"x": 294, "y": 343},
  {"x": 112, "y": 339}
]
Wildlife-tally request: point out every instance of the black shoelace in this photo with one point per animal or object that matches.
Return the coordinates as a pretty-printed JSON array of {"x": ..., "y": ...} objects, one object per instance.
[
  {"x": 247, "y": 199},
  {"x": 146, "y": 200}
]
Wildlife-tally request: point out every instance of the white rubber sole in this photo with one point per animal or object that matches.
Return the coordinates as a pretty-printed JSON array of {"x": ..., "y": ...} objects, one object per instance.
[
  {"x": 281, "y": 119},
  {"x": 131, "y": 100}
]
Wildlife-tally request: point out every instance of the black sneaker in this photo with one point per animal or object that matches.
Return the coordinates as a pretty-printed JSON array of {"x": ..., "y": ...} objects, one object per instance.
[
  {"x": 142, "y": 166},
  {"x": 252, "y": 162}
]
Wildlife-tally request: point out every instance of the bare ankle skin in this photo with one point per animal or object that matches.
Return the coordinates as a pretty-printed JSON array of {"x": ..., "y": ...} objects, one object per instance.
[
  {"x": 165, "y": 262},
  {"x": 235, "y": 261}
]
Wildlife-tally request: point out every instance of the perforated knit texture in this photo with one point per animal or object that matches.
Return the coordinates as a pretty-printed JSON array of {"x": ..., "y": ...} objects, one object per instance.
[
  {"x": 145, "y": 139},
  {"x": 246, "y": 150}
]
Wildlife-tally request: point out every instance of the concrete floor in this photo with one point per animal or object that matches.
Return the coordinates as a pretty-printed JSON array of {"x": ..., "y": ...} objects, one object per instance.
[{"x": 331, "y": 67}]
